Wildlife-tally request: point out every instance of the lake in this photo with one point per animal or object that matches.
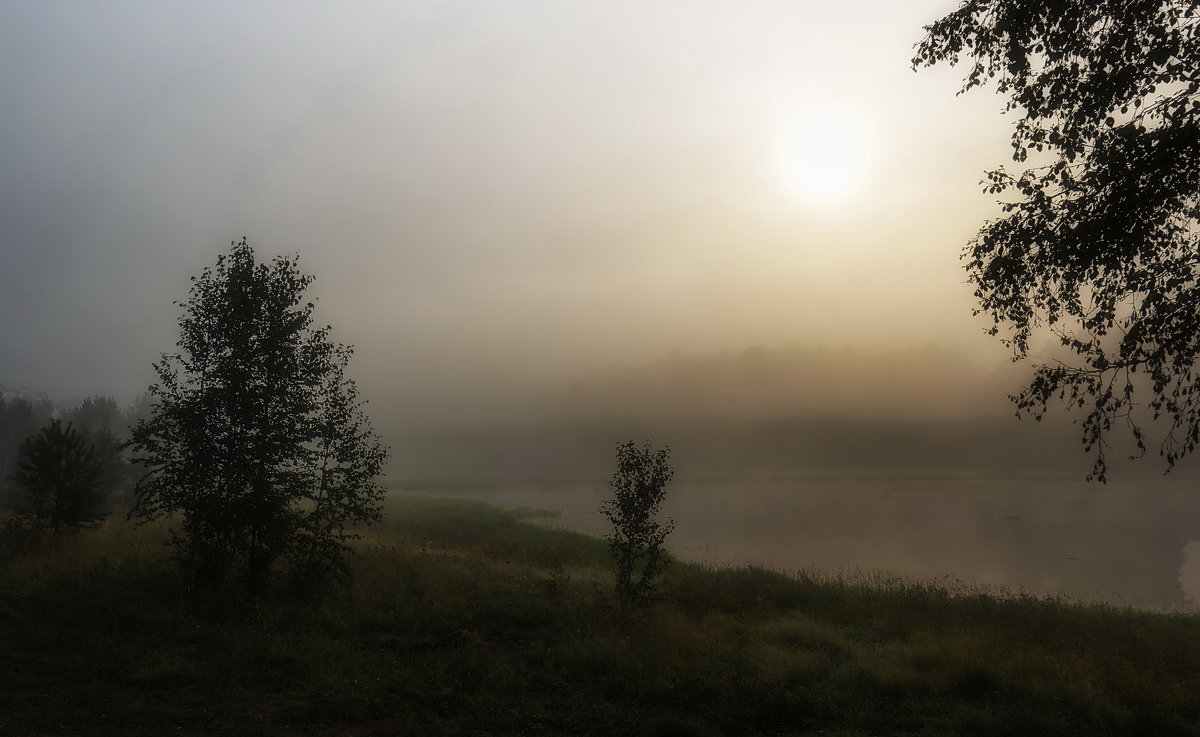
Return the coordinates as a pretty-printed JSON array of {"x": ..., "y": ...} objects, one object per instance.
[{"x": 1133, "y": 541}]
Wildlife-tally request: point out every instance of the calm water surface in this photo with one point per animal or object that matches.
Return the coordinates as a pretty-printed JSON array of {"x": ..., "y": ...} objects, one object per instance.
[{"x": 1128, "y": 542}]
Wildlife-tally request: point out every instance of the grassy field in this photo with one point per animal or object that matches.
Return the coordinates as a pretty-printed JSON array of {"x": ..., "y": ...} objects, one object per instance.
[{"x": 466, "y": 619}]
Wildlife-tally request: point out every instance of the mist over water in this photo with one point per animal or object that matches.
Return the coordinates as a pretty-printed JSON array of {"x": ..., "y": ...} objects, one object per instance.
[
  {"x": 549, "y": 229},
  {"x": 845, "y": 461},
  {"x": 1133, "y": 542}
]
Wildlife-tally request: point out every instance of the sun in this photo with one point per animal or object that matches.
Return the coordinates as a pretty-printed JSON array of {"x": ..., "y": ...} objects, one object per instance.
[{"x": 824, "y": 158}]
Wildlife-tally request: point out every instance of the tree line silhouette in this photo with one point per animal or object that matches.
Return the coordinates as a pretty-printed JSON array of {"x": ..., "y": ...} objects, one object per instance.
[
  {"x": 62, "y": 468},
  {"x": 255, "y": 446}
]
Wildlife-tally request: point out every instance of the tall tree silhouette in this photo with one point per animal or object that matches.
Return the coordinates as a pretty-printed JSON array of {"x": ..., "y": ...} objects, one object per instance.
[
  {"x": 1099, "y": 240},
  {"x": 256, "y": 435}
]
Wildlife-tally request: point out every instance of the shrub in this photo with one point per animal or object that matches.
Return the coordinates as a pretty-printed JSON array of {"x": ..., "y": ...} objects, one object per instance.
[{"x": 636, "y": 542}]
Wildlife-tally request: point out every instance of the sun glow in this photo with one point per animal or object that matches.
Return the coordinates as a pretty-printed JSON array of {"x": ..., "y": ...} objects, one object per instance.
[{"x": 825, "y": 158}]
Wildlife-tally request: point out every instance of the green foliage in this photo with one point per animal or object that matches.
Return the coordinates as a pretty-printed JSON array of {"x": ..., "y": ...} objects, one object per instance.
[
  {"x": 256, "y": 436},
  {"x": 57, "y": 480},
  {"x": 1099, "y": 244},
  {"x": 636, "y": 542}
]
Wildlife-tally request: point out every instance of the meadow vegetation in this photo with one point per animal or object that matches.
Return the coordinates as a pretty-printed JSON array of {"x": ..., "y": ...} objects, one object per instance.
[{"x": 470, "y": 619}]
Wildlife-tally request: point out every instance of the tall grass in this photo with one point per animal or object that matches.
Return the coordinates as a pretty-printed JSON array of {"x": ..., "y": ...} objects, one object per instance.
[{"x": 464, "y": 618}]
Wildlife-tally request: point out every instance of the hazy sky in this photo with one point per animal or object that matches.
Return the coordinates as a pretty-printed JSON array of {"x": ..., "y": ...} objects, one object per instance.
[{"x": 493, "y": 195}]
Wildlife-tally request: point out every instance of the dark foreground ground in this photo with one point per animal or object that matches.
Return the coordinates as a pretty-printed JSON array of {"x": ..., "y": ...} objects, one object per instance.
[{"x": 468, "y": 619}]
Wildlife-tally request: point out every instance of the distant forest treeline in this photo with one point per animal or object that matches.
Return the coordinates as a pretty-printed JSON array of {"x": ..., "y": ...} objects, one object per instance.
[
  {"x": 757, "y": 383},
  {"x": 100, "y": 420}
]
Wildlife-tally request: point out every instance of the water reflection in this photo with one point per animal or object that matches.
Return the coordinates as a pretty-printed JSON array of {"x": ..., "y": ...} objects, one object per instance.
[{"x": 1133, "y": 542}]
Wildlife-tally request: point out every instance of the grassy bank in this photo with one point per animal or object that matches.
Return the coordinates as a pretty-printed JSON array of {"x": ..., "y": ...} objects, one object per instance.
[{"x": 463, "y": 618}]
